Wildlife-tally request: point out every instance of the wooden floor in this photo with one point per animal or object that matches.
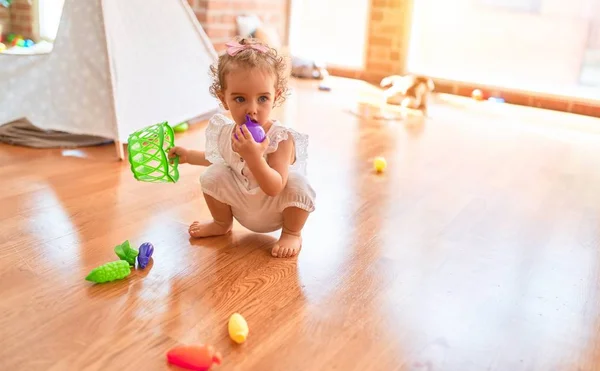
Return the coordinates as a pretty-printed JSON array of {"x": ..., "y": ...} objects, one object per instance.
[{"x": 478, "y": 249}]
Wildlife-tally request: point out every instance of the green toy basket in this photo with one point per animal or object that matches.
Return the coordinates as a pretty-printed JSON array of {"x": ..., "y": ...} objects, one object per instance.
[{"x": 148, "y": 154}]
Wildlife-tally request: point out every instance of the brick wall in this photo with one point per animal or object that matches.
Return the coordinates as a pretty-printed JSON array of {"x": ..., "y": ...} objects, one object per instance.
[
  {"x": 18, "y": 18},
  {"x": 387, "y": 43},
  {"x": 4, "y": 21},
  {"x": 218, "y": 17},
  {"x": 388, "y": 39}
]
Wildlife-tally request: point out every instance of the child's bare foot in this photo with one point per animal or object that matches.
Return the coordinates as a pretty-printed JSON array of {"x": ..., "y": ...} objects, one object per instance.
[
  {"x": 288, "y": 245},
  {"x": 208, "y": 229}
]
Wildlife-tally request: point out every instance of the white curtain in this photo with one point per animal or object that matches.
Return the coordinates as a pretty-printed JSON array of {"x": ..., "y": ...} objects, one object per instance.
[{"x": 331, "y": 31}]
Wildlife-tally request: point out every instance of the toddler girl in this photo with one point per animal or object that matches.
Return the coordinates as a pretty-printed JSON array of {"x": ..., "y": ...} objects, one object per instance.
[{"x": 263, "y": 185}]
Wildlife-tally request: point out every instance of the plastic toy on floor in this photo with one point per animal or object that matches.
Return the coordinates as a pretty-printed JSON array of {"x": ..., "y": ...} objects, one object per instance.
[
  {"x": 477, "y": 95},
  {"x": 11, "y": 37},
  {"x": 194, "y": 357},
  {"x": 238, "y": 328},
  {"x": 410, "y": 91},
  {"x": 148, "y": 154},
  {"x": 28, "y": 43},
  {"x": 379, "y": 164},
  {"x": 324, "y": 86},
  {"x": 307, "y": 68},
  {"x": 121, "y": 268},
  {"x": 181, "y": 128},
  {"x": 112, "y": 271},
  {"x": 145, "y": 253},
  {"x": 125, "y": 252}
]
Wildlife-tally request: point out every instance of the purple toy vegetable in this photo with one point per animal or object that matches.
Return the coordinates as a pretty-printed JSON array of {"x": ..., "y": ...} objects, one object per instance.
[
  {"x": 146, "y": 250},
  {"x": 255, "y": 129}
]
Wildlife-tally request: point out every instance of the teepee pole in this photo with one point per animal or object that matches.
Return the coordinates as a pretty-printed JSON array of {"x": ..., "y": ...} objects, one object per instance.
[{"x": 119, "y": 149}]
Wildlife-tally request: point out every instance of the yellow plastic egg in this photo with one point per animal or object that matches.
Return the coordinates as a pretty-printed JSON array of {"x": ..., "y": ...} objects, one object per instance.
[
  {"x": 477, "y": 94},
  {"x": 2, "y": 47},
  {"x": 379, "y": 164},
  {"x": 238, "y": 328}
]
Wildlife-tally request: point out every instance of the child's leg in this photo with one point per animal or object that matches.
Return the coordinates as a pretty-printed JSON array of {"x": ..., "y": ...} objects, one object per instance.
[
  {"x": 221, "y": 223},
  {"x": 216, "y": 180},
  {"x": 290, "y": 242}
]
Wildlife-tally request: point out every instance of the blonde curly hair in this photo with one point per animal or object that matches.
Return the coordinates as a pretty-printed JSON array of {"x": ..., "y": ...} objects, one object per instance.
[{"x": 271, "y": 61}]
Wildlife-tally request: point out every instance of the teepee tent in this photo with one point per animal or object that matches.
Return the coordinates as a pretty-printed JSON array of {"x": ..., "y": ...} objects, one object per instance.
[{"x": 117, "y": 66}]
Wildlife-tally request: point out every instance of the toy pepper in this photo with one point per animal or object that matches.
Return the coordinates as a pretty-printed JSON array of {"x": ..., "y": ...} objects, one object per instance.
[{"x": 194, "y": 357}]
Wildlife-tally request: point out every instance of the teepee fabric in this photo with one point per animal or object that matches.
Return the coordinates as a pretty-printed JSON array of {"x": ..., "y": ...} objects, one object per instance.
[{"x": 116, "y": 66}]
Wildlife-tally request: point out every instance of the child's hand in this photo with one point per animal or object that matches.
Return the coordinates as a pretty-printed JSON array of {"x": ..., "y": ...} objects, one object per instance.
[
  {"x": 179, "y": 151},
  {"x": 246, "y": 146}
]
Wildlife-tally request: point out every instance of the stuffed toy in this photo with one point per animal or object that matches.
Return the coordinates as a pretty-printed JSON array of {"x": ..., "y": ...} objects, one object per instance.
[
  {"x": 308, "y": 69},
  {"x": 410, "y": 91}
]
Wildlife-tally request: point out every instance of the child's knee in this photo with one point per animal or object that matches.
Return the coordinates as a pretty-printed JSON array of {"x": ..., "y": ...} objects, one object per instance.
[
  {"x": 298, "y": 183},
  {"x": 298, "y": 193}
]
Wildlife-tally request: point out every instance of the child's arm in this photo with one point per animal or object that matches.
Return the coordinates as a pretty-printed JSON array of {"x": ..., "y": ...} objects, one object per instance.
[
  {"x": 197, "y": 158},
  {"x": 272, "y": 174},
  {"x": 189, "y": 156}
]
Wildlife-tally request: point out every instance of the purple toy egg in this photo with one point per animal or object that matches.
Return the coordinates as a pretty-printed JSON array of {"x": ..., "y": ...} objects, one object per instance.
[
  {"x": 145, "y": 252},
  {"x": 255, "y": 129},
  {"x": 257, "y": 132}
]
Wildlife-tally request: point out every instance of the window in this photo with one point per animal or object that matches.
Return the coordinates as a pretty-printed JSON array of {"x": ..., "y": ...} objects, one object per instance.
[
  {"x": 330, "y": 31},
  {"x": 590, "y": 72},
  {"x": 545, "y": 46},
  {"x": 516, "y": 5}
]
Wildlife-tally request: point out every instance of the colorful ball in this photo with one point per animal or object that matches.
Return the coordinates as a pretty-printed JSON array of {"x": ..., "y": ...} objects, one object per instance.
[
  {"x": 496, "y": 99},
  {"x": 379, "y": 164}
]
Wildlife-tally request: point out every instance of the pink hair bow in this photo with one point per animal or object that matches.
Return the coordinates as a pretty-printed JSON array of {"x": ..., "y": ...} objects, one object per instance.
[{"x": 234, "y": 47}]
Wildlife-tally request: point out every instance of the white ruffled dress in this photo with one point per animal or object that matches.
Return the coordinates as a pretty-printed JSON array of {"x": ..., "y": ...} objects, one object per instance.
[{"x": 229, "y": 180}]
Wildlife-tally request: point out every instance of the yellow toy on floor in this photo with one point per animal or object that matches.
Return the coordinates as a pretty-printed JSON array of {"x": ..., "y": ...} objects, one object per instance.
[
  {"x": 238, "y": 328},
  {"x": 379, "y": 164}
]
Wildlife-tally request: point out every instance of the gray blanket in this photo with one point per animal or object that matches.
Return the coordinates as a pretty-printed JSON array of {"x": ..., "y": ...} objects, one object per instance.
[{"x": 23, "y": 133}]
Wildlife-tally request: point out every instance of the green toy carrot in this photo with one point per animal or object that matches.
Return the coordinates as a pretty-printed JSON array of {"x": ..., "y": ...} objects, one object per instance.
[{"x": 111, "y": 271}]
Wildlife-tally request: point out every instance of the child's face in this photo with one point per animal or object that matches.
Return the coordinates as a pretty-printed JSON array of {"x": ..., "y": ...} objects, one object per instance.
[{"x": 249, "y": 91}]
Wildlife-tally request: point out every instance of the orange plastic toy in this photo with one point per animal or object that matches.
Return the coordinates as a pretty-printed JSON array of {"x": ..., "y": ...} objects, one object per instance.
[{"x": 194, "y": 357}]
